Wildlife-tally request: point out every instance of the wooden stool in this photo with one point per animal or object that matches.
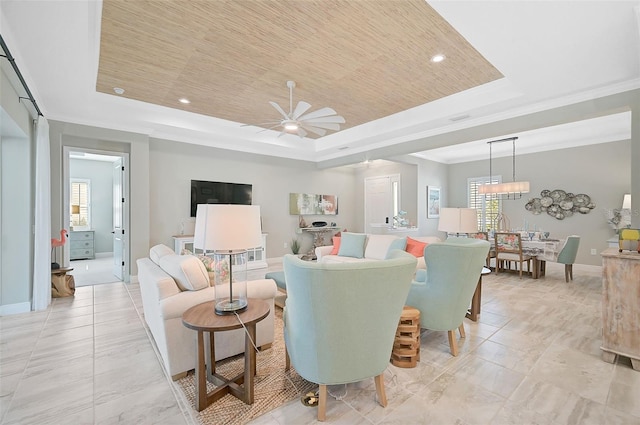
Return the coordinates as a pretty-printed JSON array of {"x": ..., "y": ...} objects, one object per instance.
[
  {"x": 406, "y": 345},
  {"x": 62, "y": 284}
]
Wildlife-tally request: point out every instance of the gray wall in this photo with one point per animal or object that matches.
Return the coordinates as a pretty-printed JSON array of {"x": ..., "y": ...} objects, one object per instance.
[
  {"x": 100, "y": 173},
  {"x": 16, "y": 201},
  {"x": 601, "y": 171},
  {"x": 173, "y": 165}
]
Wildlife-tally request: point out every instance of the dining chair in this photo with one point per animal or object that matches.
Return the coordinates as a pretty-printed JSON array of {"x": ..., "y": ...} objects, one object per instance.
[
  {"x": 485, "y": 237},
  {"x": 567, "y": 256},
  {"x": 508, "y": 247}
]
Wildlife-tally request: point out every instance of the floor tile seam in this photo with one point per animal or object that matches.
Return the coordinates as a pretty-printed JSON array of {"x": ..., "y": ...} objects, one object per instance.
[
  {"x": 31, "y": 351},
  {"x": 178, "y": 395}
]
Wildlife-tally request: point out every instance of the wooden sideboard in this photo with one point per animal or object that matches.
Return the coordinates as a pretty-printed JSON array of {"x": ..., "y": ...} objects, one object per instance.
[{"x": 620, "y": 306}]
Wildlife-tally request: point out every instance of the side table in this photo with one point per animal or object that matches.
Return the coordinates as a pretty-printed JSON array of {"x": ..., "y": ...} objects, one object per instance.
[
  {"x": 62, "y": 284},
  {"x": 474, "y": 311},
  {"x": 202, "y": 318},
  {"x": 406, "y": 344}
]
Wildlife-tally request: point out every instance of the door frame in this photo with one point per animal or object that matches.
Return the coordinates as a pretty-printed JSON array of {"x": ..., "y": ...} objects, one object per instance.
[
  {"x": 66, "y": 179},
  {"x": 392, "y": 178}
]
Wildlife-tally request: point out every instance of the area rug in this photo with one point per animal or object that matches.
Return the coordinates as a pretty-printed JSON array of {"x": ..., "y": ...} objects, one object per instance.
[{"x": 273, "y": 385}]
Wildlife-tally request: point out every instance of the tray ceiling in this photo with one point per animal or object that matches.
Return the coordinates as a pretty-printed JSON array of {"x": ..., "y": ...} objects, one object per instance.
[{"x": 365, "y": 59}]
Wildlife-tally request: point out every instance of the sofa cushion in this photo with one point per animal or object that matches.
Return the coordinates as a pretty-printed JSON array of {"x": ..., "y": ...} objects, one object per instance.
[
  {"x": 352, "y": 245},
  {"x": 415, "y": 247},
  {"x": 188, "y": 272},
  {"x": 400, "y": 244},
  {"x": 158, "y": 251},
  {"x": 336, "y": 245},
  {"x": 378, "y": 246}
]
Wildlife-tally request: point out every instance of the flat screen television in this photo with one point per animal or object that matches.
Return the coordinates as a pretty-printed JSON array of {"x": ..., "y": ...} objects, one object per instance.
[{"x": 204, "y": 192}]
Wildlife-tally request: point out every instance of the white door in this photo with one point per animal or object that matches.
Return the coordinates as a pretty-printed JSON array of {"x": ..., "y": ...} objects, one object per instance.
[
  {"x": 118, "y": 213},
  {"x": 378, "y": 201}
]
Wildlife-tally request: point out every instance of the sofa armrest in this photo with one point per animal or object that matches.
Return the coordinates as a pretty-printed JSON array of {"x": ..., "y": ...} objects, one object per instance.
[
  {"x": 155, "y": 280},
  {"x": 323, "y": 250},
  {"x": 263, "y": 289}
]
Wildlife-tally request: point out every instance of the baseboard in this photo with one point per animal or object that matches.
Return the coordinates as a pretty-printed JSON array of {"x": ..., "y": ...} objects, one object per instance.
[{"x": 18, "y": 308}]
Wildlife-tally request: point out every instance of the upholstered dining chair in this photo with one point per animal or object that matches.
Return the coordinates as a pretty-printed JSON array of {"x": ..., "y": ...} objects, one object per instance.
[
  {"x": 485, "y": 237},
  {"x": 508, "y": 248},
  {"x": 443, "y": 291},
  {"x": 567, "y": 255},
  {"x": 340, "y": 319}
]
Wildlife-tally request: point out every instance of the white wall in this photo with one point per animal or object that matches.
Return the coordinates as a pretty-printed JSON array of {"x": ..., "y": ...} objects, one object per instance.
[{"x": 601, "y": 171}]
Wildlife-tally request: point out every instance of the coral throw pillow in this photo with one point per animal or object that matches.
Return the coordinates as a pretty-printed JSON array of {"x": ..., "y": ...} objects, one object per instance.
[
  {"x": 416, "y": 248},
  {"x": 336, "y": 246}
]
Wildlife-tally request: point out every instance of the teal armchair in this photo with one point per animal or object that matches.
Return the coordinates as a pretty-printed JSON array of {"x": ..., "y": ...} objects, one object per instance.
[
  {"x": 340, "y": 319},
  {"x": 443, "y": 292}
]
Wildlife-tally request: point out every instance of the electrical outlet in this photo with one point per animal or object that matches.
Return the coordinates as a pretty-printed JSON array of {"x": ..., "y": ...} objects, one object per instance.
[
  {"x": 286, "y": 245},
  {"x": 593, "y": 251}
]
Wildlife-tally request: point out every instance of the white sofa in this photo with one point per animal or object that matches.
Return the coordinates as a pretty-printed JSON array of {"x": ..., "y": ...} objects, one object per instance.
[
  {"x": 376, "y": 247},
  {"x": 170, "y": 284}
]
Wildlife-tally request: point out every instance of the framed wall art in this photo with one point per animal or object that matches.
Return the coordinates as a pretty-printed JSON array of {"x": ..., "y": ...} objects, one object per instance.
[
  {"x": 311, "y": 204},
  {"x": 433, "y": 202}
]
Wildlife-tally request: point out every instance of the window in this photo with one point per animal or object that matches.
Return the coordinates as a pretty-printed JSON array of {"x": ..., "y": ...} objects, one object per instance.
[
  {"x": 80, "y": 206},
  {"x": 489, "y": 206}
]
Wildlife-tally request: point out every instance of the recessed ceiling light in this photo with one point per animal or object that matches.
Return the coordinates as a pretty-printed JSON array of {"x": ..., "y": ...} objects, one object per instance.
[
  {"x": 118, "y": 90},
  {"x": 437, "y": 58},
  {"x": 184, "y": 100}
]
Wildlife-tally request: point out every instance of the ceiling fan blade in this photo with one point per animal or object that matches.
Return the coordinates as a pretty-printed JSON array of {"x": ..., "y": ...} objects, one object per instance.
[
  {"x": 301, "y": 108},
  {"x": 301, "y": 132},
  {"x": 275, "y": 105},
  {"x": 261, "y": 124},
  {"x": 325, "y": 125},
  {"x": 322, "y": 112},
  {"x": 270, "y": 128},
  {"x": 316, "y": 130},
  {"x": 333, "y": 118}
]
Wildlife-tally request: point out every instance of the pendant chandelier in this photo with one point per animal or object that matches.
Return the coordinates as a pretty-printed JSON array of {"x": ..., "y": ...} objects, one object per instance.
[{"x": 512, "y": 190}]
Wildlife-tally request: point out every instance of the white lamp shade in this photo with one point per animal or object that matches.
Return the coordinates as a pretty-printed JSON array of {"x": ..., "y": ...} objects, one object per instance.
[
  {"x": 626, "y": 202},
  {"x": 223, "y": 227},
  {"x": 504, "y": 188},
  {"x": 458, "y": 220}
]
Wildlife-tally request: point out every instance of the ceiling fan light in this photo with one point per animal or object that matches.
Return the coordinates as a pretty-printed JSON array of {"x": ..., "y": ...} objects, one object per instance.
[{"x": 291, "y": 126}]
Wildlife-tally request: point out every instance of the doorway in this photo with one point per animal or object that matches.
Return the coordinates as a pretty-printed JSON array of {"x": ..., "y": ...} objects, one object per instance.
[{"x": 95, "y": 194}]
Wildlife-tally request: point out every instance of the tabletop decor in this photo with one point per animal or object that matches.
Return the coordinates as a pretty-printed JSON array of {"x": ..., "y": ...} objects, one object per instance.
[{"x": 560, "y": 204}]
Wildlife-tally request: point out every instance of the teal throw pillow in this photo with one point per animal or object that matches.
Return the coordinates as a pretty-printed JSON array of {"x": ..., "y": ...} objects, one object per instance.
[
  {"x": 352, "y": 245},
  {"x": 400, "y": 244}
]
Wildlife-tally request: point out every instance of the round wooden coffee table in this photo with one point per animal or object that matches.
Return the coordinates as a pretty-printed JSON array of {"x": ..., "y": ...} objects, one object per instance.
[{"x": 202, "y": 318}]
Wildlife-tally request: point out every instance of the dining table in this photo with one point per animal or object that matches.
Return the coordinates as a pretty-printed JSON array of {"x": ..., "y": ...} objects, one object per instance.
[{"x": 540, "y": 251}]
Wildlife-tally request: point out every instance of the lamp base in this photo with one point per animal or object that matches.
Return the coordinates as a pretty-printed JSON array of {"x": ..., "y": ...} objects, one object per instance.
[{"x": 230, "y": 307}]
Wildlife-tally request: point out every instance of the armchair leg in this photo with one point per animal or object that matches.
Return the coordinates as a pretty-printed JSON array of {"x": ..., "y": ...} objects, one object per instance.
[
  {"x": 287, "y": 360},
  {"x": 461, "y": 330},
  {"x": 322, "y": 403},
  {"x": 568, "y": 272},
  {"x": 382, "y": 396},
  {"x": 453, "y": 344}
]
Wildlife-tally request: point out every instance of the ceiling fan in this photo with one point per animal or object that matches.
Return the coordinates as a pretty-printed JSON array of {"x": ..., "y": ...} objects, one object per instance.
[{"x": 299, "y": 122}]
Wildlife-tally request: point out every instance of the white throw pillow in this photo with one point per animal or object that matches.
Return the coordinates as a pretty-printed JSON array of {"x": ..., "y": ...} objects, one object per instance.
[
  {"x": 188, "y": 272},
  {"x": 378, "y": 246},
  {"x": 159, "y": 251}
]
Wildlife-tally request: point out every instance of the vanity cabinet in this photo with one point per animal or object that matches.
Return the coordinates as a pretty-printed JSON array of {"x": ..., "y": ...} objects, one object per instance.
[{"x": 81, "y": 245}]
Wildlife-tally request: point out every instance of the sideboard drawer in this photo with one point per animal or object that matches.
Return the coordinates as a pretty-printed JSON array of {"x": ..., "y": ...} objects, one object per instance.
[
  {"x": 81, "y": 244},
  {"x": 82, "y": 254}
]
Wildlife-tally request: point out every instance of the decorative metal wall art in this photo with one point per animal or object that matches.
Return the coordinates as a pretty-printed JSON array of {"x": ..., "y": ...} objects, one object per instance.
[{"x": 560, "y": 204}]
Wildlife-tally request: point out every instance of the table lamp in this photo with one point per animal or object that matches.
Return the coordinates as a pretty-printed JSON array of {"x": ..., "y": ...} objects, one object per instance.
[
  {"x": 458, "y": 220},
  {"x": 224, "y": 232}
]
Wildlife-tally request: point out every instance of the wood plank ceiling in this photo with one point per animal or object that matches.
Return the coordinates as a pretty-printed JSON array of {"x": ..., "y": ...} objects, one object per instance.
[{"x": 365, "y": 59}]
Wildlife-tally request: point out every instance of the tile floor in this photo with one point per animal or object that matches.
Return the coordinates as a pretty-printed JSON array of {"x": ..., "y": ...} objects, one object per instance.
[
  {"x": 533, "y": 358},
  {"x": 93, "y": 272}
]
